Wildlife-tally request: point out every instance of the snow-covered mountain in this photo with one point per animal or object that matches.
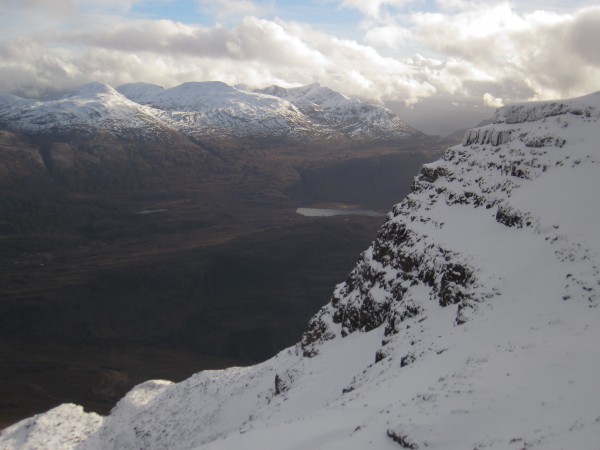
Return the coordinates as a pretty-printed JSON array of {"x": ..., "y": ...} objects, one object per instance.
[
  {"x": 207, "y": 111},
  {"x": 349, "y": 116},
  {"x": 201, "y": 109},
  {"x": 471, "y": 322},
  {"x": 91, "y": 106}
]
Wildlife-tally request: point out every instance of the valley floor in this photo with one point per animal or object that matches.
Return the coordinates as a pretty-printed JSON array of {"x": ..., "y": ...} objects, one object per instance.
[{"x": 101, "y": 290}]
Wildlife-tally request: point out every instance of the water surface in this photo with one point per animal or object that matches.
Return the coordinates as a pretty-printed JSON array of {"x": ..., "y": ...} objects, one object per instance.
[{"x": 329, "y": 212}]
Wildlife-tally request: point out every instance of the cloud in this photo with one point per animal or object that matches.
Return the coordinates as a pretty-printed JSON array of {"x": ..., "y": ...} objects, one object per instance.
[
  {"x": 374, "y": 8},
  {"x": 534, "y": 55},
  {"x": 583, "y": 36},
  {"x": 226, "y": 9},
  {"x": 66, "y": 7},
  {"x": 268, "y": 42},
  {"x": 256, "y": 52},
  {"x": 462, "y": 52},
  {"x": 388, "y": 36},
  {"x": 56, "y": 7},
  {"x": 491, "y": 101}
]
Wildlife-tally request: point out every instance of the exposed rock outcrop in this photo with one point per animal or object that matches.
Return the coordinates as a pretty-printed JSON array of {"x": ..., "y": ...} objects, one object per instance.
[{"x": 411, "y": 249}]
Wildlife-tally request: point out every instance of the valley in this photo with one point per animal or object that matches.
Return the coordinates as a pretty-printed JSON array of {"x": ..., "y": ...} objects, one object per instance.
[{"x": 145, "y": 268}]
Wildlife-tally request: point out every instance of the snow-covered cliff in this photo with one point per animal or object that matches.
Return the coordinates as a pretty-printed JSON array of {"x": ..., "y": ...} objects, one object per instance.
[{"x": 471, "y": 322}]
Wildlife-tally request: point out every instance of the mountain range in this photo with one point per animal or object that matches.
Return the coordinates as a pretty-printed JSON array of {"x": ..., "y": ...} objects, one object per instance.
[
  {"x": 471, "y": 322},
  {"x": 208, "y": 112}
]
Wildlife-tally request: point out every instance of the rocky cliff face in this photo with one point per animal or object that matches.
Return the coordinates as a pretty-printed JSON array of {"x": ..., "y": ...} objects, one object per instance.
[
  {"x": 472, "y": 321},
  {"x": 478, "y": 179}
]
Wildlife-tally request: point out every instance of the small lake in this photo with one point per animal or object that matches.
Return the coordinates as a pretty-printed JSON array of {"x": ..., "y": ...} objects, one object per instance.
[
  {"x": 151, "y": 211},
  {"x": 326, "y": 212}
]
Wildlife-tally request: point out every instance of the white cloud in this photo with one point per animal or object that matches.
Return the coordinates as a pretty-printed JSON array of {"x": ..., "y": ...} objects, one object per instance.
[
  {"x": 465, "y": 51},
  {"x": 257, "y": 52},
  {"x": 388, "y": 36},
  {"x": 66, "y": 7},
  {"x": 491, "y": 101},
  {"x": 57, "y": 6},
  {"x": 534, "y": 55},
  {"x": 373, "y": 8},
  {"x": 225, "y": 9}
]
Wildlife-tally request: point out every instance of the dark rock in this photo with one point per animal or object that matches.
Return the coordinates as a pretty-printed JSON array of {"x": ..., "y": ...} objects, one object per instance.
[
  {"x": 280, "y": 386},
  {"x": 509, "y": 217},
  {"x": 407, "y": 359},
  {"x": 402, "y": 439},
  {"x": 454, "y": 279},
  {"x": 395, "y": 320},
  {"x": 461, "y": 313},
  {"x": 317, "y": 331},
  {"x": 430, "y": 174},
  {"x": 379, "y": 355}
]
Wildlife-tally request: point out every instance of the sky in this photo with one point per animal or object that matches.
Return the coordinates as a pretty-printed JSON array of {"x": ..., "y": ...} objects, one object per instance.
[{"x": 441, "y": 64}]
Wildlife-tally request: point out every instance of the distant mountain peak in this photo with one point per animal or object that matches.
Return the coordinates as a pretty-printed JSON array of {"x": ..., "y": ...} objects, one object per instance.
[
  {"x": 204, "y": 87},
  {"x": 92, "y": 106},
  {"x": 314, "y": 92},
  {"x": 212, "y": 111},
  {"x": 354, "y": 118}
]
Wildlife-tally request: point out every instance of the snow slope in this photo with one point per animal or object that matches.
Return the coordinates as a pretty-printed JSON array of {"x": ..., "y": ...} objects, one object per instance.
[
  {"x": 215, "y": 108},
  {"x": 206, "y": 111},
  {"x": 471, "y": 322},
  {"x": 349, "y": 116},
  {"x": 93, "y": 105}
]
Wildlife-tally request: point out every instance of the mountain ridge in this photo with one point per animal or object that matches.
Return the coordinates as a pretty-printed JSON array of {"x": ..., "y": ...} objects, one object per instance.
[
  {"x": 330, "y": 108},
  {"x": 208, "y": 111},
  {"x": 470, "y": 322},
  {"x": 91, "y": 106}
]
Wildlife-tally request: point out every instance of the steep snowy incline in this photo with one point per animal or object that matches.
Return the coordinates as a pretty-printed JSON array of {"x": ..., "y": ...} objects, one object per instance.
[
  {"x": 471, "y": 322},
  {"x": 418, "y": 243},
  {"x": 349, "y": 116},
  {"x": 93, "y": 105}
]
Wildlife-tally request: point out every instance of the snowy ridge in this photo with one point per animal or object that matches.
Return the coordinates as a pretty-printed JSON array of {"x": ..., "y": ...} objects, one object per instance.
[
  {"x": 91, "y": 106},
  {"x": 480, "y": 175},
  {"x": 207, "y": 111},
  {"x": 471, "y": 322},
  {"x": 348, "y": 116},
  {"x": 206, "y": 108}
]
